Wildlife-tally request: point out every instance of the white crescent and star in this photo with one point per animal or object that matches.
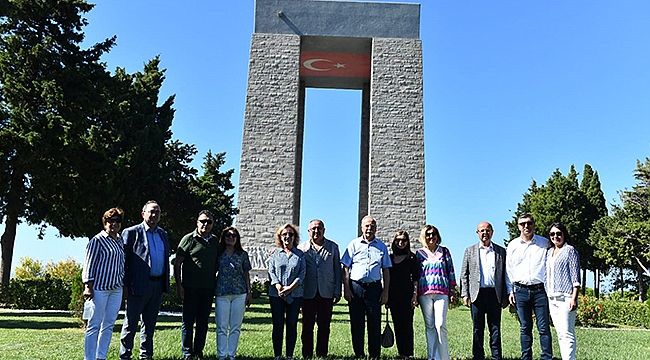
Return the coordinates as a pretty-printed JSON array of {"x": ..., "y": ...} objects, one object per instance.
[{"x": 309, "y": 64}]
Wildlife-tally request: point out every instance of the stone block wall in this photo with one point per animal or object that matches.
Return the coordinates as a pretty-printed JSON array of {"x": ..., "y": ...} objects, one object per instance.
[
  {"x": 396, "y": 185},
  {"x": 270, "y": 170}
]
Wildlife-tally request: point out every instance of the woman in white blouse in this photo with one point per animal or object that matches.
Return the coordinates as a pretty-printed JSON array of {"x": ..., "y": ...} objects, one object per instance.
[{"x": 562, "y": 285}]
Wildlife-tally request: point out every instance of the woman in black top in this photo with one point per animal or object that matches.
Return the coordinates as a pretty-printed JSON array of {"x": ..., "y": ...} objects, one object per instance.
[{"x": 402, "y": 292}]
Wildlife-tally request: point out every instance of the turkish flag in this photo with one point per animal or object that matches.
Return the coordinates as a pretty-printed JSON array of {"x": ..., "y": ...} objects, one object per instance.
[{"x": 335, "y": 64}]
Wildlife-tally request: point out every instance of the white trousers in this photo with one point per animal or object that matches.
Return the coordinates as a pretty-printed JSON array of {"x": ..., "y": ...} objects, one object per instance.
[
  {"x": 434, "y": 310},
  {"x": 564, "y": 322},
  {"x": 100, "y": 325},
  {"x": 229, "y": 311}
]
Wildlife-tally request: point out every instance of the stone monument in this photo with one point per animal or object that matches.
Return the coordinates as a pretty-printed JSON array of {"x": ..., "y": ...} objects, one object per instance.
[{"x": 373, "y": 47}]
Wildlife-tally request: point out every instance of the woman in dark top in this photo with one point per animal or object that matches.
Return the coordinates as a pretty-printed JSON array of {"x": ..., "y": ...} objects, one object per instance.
[{"x": 402, "y": 292}]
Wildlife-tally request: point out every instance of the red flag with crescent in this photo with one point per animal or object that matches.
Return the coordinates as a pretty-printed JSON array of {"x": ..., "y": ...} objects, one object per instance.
[{"x": 335, "y": 64}]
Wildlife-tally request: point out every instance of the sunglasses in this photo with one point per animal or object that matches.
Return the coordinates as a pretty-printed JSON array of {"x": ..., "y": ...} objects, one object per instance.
[
  {"x": 115, "y": 220},
  {"x": 287, "y": 234},
  {"x": 206, "y": 221},
  {"x": 556, "y": 233},
  {"x": 526, "y": 223}
]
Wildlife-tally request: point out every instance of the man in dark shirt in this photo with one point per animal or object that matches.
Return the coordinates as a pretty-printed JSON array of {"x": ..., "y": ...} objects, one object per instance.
[{"x": 195, "y": 270}]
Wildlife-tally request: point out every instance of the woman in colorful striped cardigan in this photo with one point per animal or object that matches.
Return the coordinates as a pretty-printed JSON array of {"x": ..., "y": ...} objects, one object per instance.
[{"x": 436, "y": 288}]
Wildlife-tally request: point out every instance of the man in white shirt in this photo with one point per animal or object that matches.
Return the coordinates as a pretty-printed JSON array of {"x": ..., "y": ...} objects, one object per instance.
[{"x": 526, "y": 268}]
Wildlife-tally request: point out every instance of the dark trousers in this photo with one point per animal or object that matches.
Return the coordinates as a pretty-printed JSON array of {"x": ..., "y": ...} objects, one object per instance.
[
  {"x": 197, "y": 305},
  {"x": 281, "y": 311},
  {"x": 316, "y": 311},
  {"x": 402, "y": 314},
  {"x": 147, "y": 306},
  {"x": 365, "y": 304},
  {"x": 529, "y": 300},
  {"x": 486, "y": 305}
]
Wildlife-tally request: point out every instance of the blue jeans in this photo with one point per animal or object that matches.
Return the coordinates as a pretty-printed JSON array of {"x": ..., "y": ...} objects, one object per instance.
[
  {"x": 197, "y": 305},
  {"x": 529, "y": 300},
  {"x": 146, "y": 305},
  {"x": 279, "y": 308}
]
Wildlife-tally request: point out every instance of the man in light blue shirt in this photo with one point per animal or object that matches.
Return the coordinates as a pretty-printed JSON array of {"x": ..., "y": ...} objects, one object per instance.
[
  {"x": 365, "y": 261},
  {"x": 146, "y": 277}
]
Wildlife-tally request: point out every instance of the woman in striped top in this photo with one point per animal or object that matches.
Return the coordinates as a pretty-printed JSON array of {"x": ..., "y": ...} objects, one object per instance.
[
  {"x": 436, "y": 289},
  {"x": 103, "y": 277}
]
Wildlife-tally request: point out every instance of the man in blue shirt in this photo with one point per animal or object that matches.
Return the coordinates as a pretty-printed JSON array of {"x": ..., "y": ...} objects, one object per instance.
[
  {"x": 146, "y": 267},
  {"x": 365, "y": 261}
]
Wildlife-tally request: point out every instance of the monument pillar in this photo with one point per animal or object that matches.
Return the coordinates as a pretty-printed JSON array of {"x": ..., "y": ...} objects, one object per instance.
[{"x": 373, "y": 47}]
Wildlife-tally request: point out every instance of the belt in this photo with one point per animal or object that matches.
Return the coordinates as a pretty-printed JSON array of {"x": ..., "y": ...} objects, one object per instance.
[
  {"x": 530, "y": 287},
  {"x": 156, "y": 278},
  {"x": 366, "y": 284}
]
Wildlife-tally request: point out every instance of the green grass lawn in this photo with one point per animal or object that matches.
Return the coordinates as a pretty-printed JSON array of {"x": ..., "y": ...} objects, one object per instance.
[{"x": 54, "y": 336}]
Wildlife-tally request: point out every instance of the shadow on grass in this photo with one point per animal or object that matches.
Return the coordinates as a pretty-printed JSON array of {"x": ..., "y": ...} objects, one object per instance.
[{"x": 38, "y": 324}]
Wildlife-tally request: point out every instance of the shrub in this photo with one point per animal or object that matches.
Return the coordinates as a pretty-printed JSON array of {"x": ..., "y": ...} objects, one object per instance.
[
  {"x": 77, "y": 295},
  {"x": 458, "y": 300},
  {"x": 627, "y": 296},
  {"x": 625, "y": 312},
  {"x": 590, "y": 312},
  {"x": 5, "y": 296},
  {"x": 171, "y": 301},
  {"x": 40, "y": 294},
  {"x": 260, "y": 287},
  {"x": 65, "y": 270},
  {"x": 29, "y": 269}
]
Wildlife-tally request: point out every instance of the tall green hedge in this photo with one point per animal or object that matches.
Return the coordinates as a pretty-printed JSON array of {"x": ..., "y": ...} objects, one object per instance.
[{"x": 39, "y": 294}]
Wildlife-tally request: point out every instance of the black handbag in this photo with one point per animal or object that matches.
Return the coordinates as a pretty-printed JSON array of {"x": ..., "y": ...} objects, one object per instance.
[{"x": 387, "y": 336}]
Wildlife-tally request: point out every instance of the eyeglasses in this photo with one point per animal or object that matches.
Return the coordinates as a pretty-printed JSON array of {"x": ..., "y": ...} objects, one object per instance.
[
  {"x": 556, "y": 233},
  {"x": 287, "y": 234},
  {"x": 206, "y": 221},
  {"x": 526, "y": 223},
  {"x": 116, "y": 220}
]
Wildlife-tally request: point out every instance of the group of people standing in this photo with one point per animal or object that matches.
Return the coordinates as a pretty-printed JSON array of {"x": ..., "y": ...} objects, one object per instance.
[
  {"x": 535, "y": 275},
  {"x": 134, "y": 266}
]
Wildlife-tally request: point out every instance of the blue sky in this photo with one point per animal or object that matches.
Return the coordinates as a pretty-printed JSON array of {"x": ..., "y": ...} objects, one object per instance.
[{"x": 512, "y": 89}]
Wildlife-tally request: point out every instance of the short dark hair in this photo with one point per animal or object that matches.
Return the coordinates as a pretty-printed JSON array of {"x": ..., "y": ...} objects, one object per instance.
[
  {"x": 112, "y": 212},
  {"x": 207, "y": 213},
  {"x": 527, "y": 216}
]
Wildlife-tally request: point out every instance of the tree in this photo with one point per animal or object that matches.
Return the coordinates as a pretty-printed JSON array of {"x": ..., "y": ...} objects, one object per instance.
[
  {"x": 65, "y": 270},
  {"x": 596, "y": 209},
  {"x": 76, "y": 140},
  {"x": 562, "y": 199},
  {"x": 626, "y": 234},
  {"x": 29, "y": 269},
  {"x": 49, "y": 90},
  {"x": 190, "y": 194}
]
